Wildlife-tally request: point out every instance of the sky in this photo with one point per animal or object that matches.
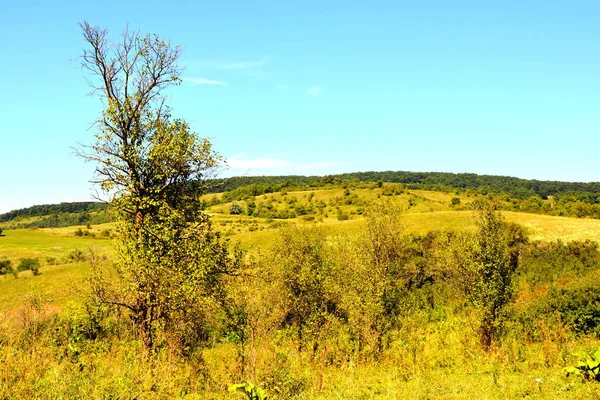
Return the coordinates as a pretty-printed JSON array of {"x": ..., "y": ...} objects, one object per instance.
[{"x": 318, "y": 87}]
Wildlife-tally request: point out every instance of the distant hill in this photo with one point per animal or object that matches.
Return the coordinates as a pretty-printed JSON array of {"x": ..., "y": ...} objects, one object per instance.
[
  {"x": 77, "y": 213},
  {"x": 49, "y": 209},
  {"x": 482, "y": 184},
  {"x": 57, "y": 215}
]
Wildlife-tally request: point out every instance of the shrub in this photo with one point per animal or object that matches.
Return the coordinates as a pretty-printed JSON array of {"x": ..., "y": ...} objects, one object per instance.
[
  {"x": 250, "y": 390},
  {"x": 236, "y": 209},
  {"x": 106, "y": 233},
  {"x": 343, "y": 217},
  {"x": 29, "y": 264},
  {"x": 6, "y": 267},
  {"x": 75, "y": 255},
  {"x": 487, "y": 272},
  {"x": 548, "y": 262},
  {"x": 308, "y": 282},
  {"x": 577, "y": 304}
]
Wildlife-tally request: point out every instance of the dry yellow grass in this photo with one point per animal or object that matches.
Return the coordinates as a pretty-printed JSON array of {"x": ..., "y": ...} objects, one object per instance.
[{"x": 548, "y": 228}]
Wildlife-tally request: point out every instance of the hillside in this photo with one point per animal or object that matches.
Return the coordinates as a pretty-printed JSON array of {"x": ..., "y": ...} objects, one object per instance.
[
  {"x": 432, "y": 346},
  {"x": 482, "y": 184},
  {"x": 576, "y": 199},
  {"x": 56, "y": 215}
]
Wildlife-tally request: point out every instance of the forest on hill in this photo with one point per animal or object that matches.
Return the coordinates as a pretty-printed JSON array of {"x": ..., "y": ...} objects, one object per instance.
[
  {"x": 576, "y": 199},
  {"x": 481, "y": 184},
  {"x": 49, "y": 209}
]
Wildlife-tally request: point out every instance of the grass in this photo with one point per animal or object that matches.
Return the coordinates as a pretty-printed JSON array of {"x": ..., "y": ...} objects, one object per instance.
[
  {"x": 59, "y": 281},
  {"x": 50, "y": 242},
  {"x": 430, "y": 358},
  {"x": 548, "y": 228}
]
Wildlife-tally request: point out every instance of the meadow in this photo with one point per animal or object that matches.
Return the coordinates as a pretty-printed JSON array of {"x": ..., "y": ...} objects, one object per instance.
[{"x": 57, "y": 343}]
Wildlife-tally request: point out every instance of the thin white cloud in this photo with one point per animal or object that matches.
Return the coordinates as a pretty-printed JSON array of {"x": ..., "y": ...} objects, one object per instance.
[
  {"x": 315, "y": 90},
  {"x": 237, "y": 65},
  {"x": 204, "y": 81}
]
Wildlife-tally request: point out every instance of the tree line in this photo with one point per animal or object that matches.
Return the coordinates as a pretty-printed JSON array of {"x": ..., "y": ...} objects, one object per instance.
[
  {"x": 50, "y": 209},
  {"x": 439, "y": 181}
]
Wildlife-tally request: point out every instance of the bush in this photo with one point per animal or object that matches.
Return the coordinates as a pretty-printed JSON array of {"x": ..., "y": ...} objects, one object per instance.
[
  {"x": 578, "y": 306},
  {"x": 51, "y": 260},
  {"x": 106, "y": 233},
  {"x": 6, "y": 267},
  {"x": 236, "y": 209},
  {"x": 343, "y": 217},
  {"x": 548, "y": 262},
  {"x": 488, "y": 270},
  {"x": 75, "y": 255},
  {"x": 29, "y": 264}
]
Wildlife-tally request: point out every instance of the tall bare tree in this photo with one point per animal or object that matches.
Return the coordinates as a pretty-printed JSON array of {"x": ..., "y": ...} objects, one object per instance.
[{"x": 171, "y": 265}]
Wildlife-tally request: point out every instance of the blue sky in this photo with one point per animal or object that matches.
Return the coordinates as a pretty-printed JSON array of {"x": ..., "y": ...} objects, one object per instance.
[{"x": 313, "y": 87}]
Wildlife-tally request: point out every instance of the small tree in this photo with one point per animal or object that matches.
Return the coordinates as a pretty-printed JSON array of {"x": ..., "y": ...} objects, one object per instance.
[
  {"x": 487, "y": 272},
  {"x": 385, "y": 277},
  {"x": 376, "y": 278},
  {"x": 308, "y": 282}
]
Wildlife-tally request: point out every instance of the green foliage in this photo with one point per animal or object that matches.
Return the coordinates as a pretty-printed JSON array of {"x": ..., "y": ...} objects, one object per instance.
[
  {"x": 482, "y": 184},
  {"x": 577, "y": 304},
  {"x": 588, "y": 366},
  {"x": 377, "y": 278},
  {"x": 29, "y": 264},
  {"x": 544, "y": 197},
  {"x": 78, "y": 208},
  {"x": 106, "y": 233},
  {"x": 6, "y": 267},
  {"x": 251, "y": 207},
  {"x": 397, "y": 324},
  {"x": 343, "y": 217},
  {"x": 455, "y": 201},
  {"x": 487, "y": 272},
  {"x": 250, "y": 390},
  {"x": 171, "y": 266},
  {"x": 308, "y": 280},
  {"x": 236, "y": 209},
  {"x": 545, "y": 262}
]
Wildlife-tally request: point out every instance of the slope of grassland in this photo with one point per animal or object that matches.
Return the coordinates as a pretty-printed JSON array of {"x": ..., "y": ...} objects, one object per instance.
[{"x": 60, "y": 253}]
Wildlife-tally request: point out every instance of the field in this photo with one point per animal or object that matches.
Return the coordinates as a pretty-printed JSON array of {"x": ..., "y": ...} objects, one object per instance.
[
  {"x": 433, "y": 353},
  {"x": 61, "y": 281}
]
